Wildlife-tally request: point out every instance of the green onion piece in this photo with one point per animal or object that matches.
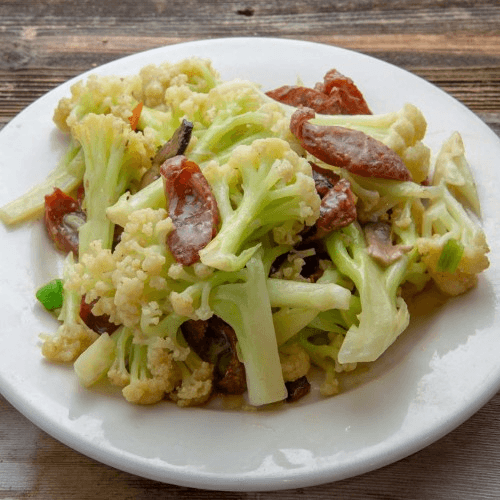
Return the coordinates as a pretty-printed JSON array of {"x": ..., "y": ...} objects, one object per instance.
[
  {"x": 450, "y": 256},
  {"x": 51, "y": 294}
]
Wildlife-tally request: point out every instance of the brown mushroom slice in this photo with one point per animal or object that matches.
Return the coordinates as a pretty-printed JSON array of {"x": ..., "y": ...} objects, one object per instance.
[
  {"x": 297, "y": 389},
  {"x": 215, "y": 342},
  {"x": 380, "y": 246},
  {"x": 351, "y": 149},
  {"x": 176, "y": 145},
  {"x": 230, "y": 371}
]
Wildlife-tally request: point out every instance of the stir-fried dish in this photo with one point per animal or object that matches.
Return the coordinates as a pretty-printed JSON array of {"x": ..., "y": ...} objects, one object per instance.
[{"x": 220, "y": 239}]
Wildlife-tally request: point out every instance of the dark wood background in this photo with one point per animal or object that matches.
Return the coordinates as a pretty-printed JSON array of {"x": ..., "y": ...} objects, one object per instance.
[{"x": 454, "y": 44}]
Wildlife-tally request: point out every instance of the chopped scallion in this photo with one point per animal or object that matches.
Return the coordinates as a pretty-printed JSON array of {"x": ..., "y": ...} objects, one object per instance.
[{"x": 450, "y": 256}]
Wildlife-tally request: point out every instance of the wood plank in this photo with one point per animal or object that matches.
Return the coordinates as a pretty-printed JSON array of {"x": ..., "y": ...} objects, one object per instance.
[
  {"x": 477, "y": 87},
  {"x": 305, "y": 17},
  {"x": 71, "y": 48}
]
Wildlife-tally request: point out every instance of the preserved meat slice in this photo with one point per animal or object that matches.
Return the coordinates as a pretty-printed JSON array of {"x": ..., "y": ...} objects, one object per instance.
[
  {"x": 380, "y": 246},
  {"x": 351, "y": 149},
  {"x": 338, "y": 203},
  {"x": 346, "y": 92},
  {"x": 337, "y": 209},
  {"x": 192, "y": 208},
  {"x": 336, "y": 95},
  {"x": 63, "y": 217},
  {"x": 324, "y": 179},
  {"x": 100, "y": 324}
]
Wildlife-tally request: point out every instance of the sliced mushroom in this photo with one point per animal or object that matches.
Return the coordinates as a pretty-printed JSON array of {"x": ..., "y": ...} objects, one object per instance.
[
  {"x": 176, "y": 145},
  {"x": 215, "y": 342},
  {"x": 297, "y": 389},
  {"x": 380, "y": 245}
]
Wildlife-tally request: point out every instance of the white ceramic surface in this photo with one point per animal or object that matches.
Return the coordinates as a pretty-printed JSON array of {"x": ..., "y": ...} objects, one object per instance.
[{"x": 442, "y": 370}]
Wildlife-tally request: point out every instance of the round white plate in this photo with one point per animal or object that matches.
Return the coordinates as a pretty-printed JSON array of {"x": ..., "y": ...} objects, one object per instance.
[{"x": 442, "y": 370}]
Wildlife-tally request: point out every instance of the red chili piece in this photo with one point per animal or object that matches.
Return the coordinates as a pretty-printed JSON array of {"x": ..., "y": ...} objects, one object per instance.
[
  {"x": 342, "y": 147},
  {"x": 192, "y": 208},
  {"x": 337, "y": 95},
  {"x": 63, "y": 217},
  {"x": 100, "y": 324}
]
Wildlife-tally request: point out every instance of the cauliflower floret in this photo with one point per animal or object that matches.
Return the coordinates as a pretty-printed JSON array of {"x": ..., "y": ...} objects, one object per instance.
[
  {"x": 118, "y": 374},
  {"x": 182, "y": 304},
  {"x": 452, "y": 168},
  {"x": 197, "y": 74},
  {"x": 295, "y": 362},
  {"x": 264, "y": 185},
  {"x": 292, "y": 267},
  {"x": 67, "y": 343},
  {"x": 129, "y": 280},
  {"x": 465, "y": 276},
  {"x": 453, "y": 246},
  {"x": 72, "y": 337},
  {"x": 153, "y": 377},
  {"x": 330, "y": 385},
  {"x": 144, "y": 392},
  {"x": 99, "y": 95},
  {"x": 196, "y": 387}
]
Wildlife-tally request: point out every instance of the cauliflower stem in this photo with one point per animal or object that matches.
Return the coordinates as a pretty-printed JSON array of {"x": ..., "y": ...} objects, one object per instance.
[
  {"x": 246, "y": 307},
  {"x": 114, "y": 156},
  {"x": 384, "y": 315}
]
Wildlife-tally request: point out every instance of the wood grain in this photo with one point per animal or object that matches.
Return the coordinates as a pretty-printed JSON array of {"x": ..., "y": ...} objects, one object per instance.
[{"x": 455, "y": 45}]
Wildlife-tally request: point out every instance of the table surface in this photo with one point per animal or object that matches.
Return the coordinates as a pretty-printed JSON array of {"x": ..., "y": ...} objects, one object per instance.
[{"x": 454, "y": 44}]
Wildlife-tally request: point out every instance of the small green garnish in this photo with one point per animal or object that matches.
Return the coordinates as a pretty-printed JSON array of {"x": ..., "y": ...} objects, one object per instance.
[
  {"x": 450, "y": 256},
  {"x": 51, "y": 294}
]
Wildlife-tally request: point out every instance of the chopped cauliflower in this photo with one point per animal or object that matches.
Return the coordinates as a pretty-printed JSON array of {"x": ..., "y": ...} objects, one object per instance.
[
  {"x": 472, "y": 262},
  {"x": 67, "y": 343},
  {"x": 126, "y": 281},
  {"x": 197, "y": 74},
  {"x": 295, "y": 362},
  {"x": 99, "y": 95},
  {"x": 72, "y": 337},
  {"x": 164, "y": 373},
  {"x": 196, "y": 387}
]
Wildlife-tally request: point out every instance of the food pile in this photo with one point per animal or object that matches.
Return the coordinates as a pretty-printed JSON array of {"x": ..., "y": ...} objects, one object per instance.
[{"x": 224, "y": 240}]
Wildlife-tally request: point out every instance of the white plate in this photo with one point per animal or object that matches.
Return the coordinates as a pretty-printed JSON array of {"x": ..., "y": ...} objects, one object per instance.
[{"x": 442, "y": 370}]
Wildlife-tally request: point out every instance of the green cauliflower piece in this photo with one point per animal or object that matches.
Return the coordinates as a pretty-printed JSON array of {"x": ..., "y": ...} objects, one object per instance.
[
  {"x": 263, "y": 187},
  {"x": 384, "y": 315}
]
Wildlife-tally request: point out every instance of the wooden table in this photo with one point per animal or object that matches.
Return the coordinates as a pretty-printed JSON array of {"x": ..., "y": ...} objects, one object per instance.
[{"x": 453, "y": 43}]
